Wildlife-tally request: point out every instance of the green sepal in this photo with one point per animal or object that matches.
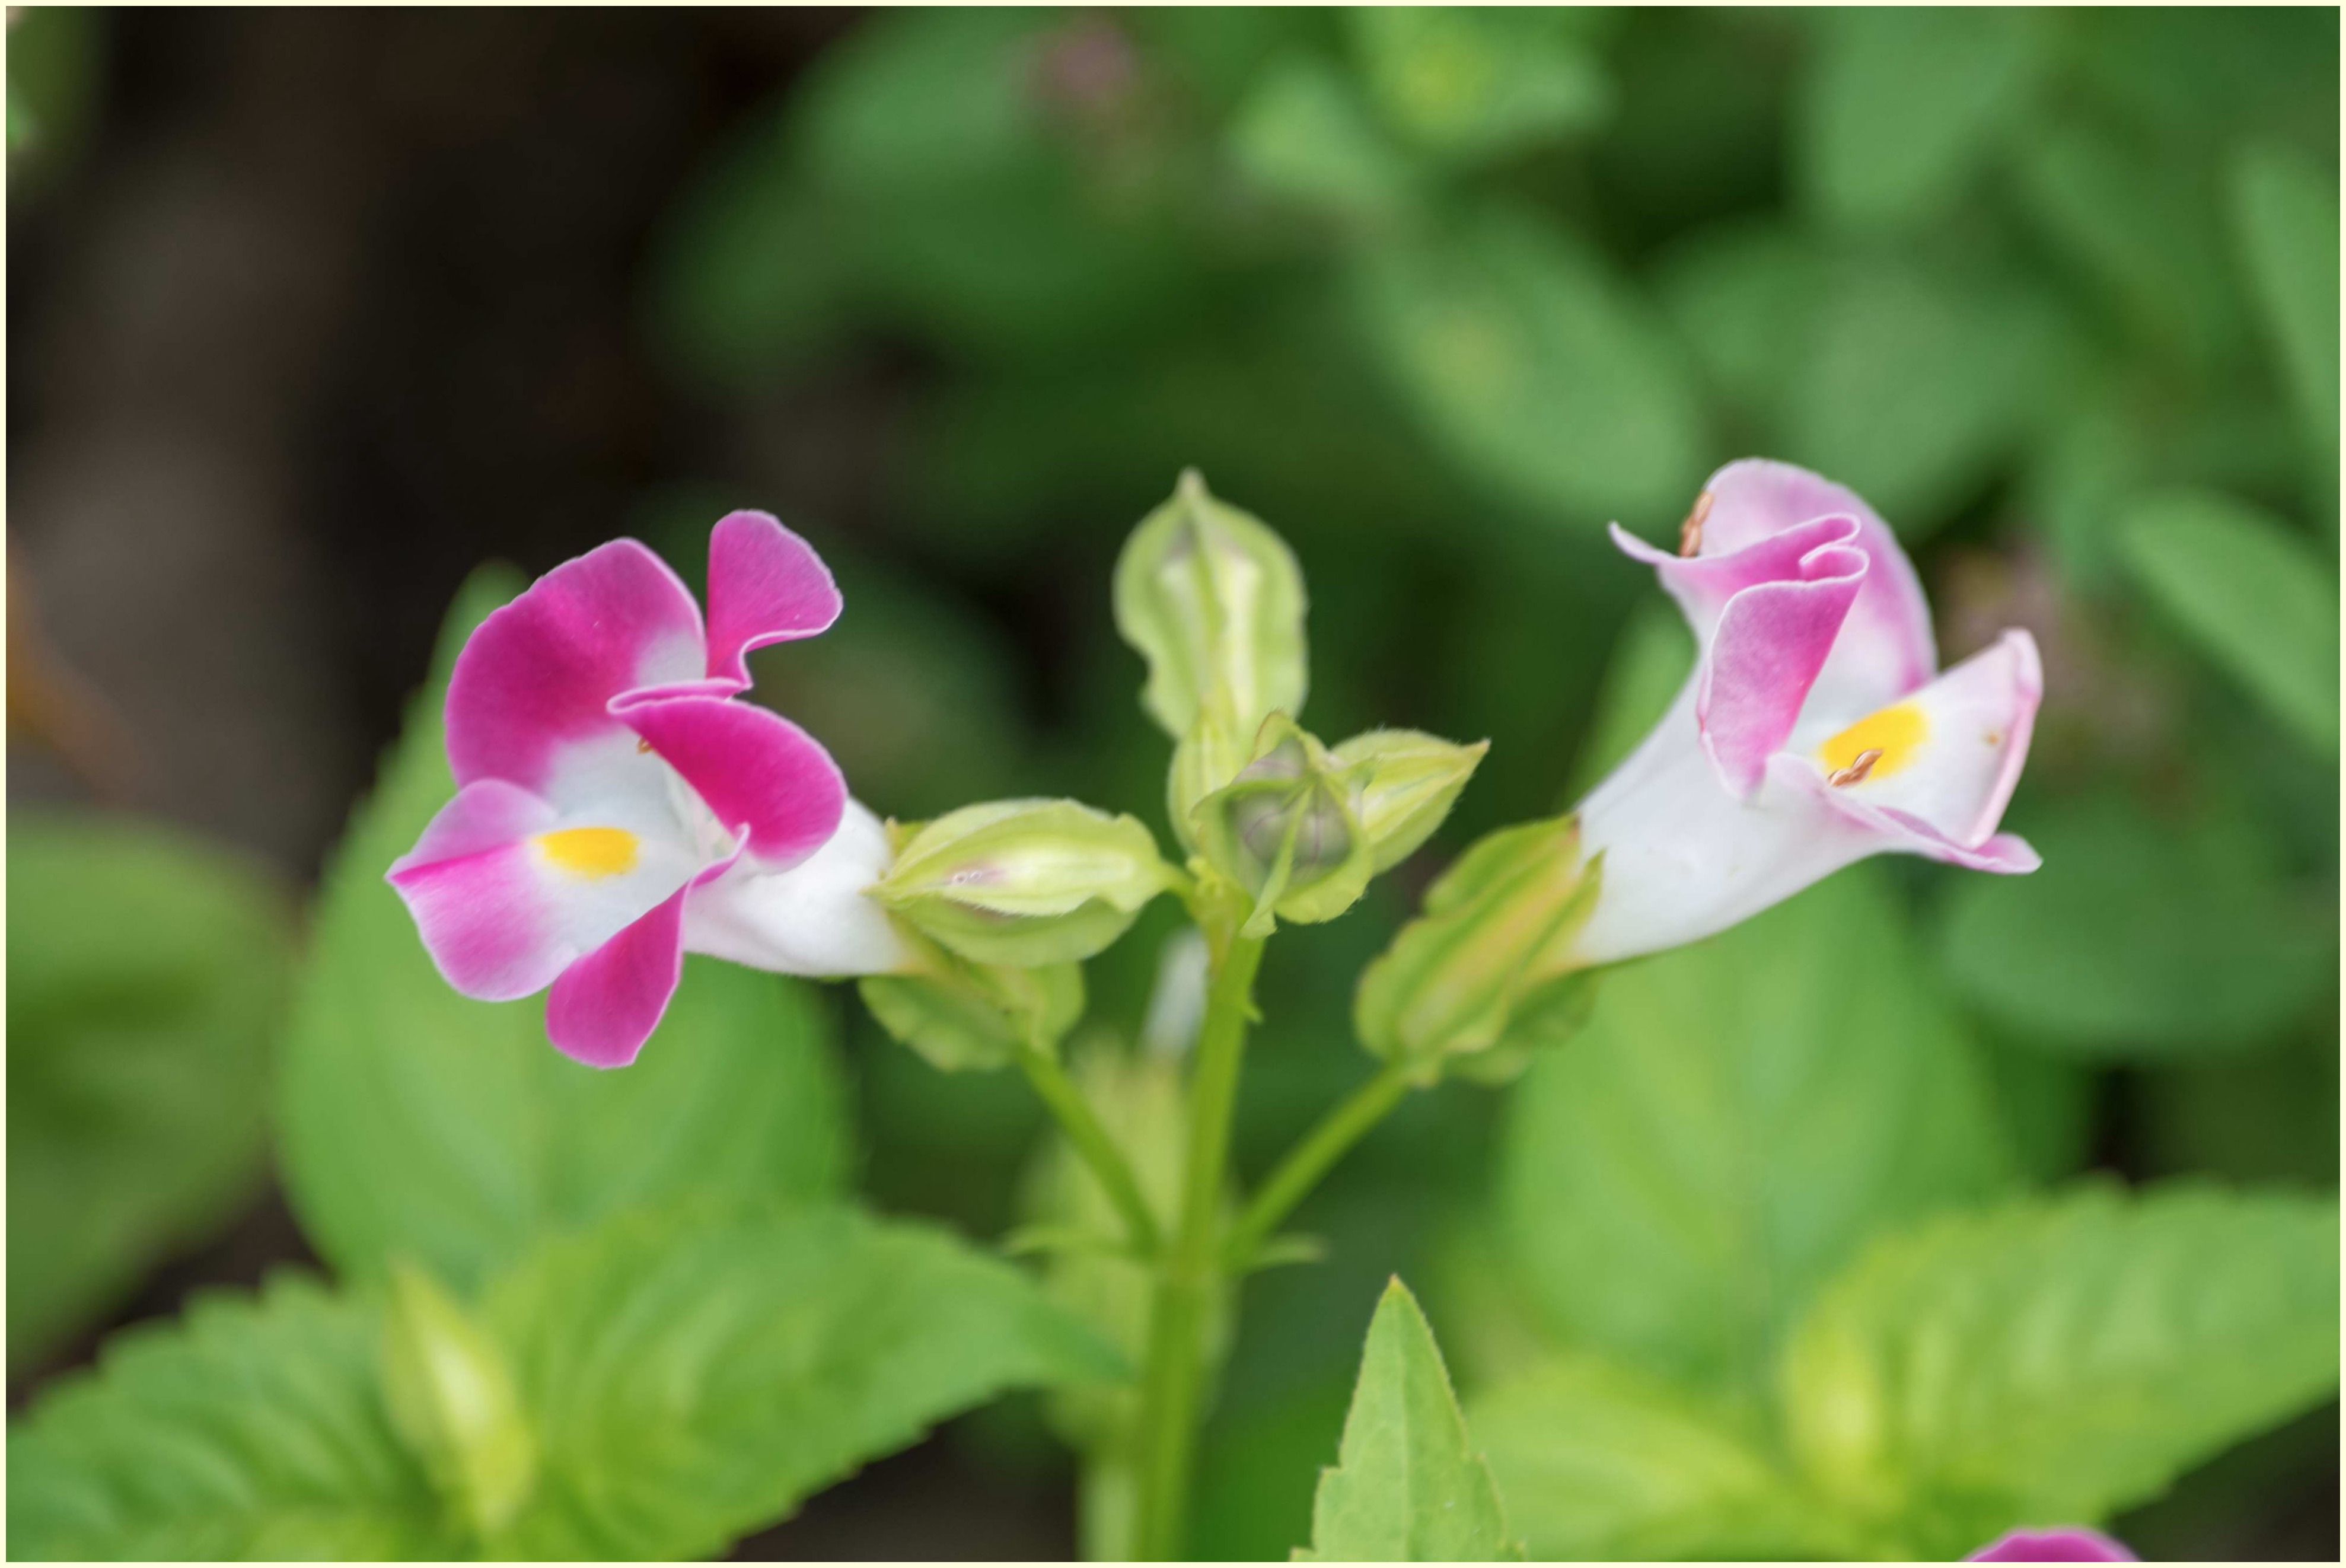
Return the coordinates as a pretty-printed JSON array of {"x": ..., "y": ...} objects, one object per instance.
[
  {"x": 1214, "y": 601},
  {"x": 1403, "y": 783},
  {"x": 449, "y": 1388},
  {"x": 1025, "y": 882},
  {"x": 964, "y": 1016},
  {"x": 1285, "y": 831},
  {"x": 1487, "y": 971}
]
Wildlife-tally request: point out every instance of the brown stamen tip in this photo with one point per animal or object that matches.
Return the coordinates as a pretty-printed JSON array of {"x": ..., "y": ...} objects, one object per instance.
[
  {"x": 643, "y": 745},
  {"x": 1856, "y": 771},
  {"x": 1690, "y": 531}
]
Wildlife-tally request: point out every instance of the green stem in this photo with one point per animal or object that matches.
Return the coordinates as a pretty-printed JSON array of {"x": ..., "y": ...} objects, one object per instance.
[
  {"x": 1310, "y": 1159},
  {"x": 1191, "y": 1270},
  {"x": 1091, "y": 1140}
]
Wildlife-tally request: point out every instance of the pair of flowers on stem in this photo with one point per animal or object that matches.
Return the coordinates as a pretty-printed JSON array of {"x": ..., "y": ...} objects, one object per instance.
[{"x": 619, "y": 805}]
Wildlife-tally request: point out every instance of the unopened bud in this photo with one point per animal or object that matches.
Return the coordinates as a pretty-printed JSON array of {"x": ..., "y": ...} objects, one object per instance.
[
  {"x": 1285, "y": 831},
  {"x": 1025, "y": 882},
  {"x": 963, "y": 1016},
  {"x": 451, "y": 1398},
  {"x": 1487, "y": 971},
  {"x": 1403, "y": 784},
  {"x": 1214, "y": 600}
]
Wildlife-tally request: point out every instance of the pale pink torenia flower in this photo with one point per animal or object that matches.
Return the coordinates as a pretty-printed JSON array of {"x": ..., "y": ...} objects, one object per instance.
[
  {"x": 1816, "y": 728},
  {"x": 617, "y": 806},
  {"x": 2072, "y": 1545}
]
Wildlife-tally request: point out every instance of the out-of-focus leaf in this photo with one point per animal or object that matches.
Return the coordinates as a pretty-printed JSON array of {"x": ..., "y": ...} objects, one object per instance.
[
  {"x": 2273, "y": 1116},
  {"x": 1599, "y": 1462},
  {"x": 2251, "y": 594},
  {"x": 2145, "y": 234},
  {"x": 56, "y": 65},
  {"x": 1916, "y": 384},
  {"x": 2286, "y": 215},
  {"x": 1467, "y": 83},
  {"x": 1406, "y": 1487},
  {"x": 755, "y": 271},
  {"x": 694, "y": 1372},
  {"x": 1541, "y": 375},
  {"x": 1650, "y": 663},
  {"x": 147, "y": 982},
  {"x": 1746, "y": 299},
  {"x": 2057, "y": 1358},
  {"x": 2139, "y": 940},
  {"x": 1905, "y": 103},
  {"x": 1737, "y": 1119},
  {"x": 412, "y": 1119},
  {"x": 1304, "y": 134},
  {"x": 252, "y": 1428}
]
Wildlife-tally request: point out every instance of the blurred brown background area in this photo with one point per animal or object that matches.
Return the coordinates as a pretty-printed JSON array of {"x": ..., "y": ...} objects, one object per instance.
[{"x": 272, "y": 396}]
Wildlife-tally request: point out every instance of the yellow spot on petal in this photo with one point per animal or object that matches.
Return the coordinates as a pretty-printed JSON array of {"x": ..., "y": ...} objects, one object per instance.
[
  {"x": 1896, "y": 732},
  {"x": 590, "y": 853}
]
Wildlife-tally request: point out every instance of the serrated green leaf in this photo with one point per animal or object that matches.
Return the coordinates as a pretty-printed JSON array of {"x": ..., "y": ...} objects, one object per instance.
[
  {"x": 2285, "y": 212},
  {"x": 1545, "y": 377},
  {"x": 147, "y": 982},
  {"x": 2056, "y": 1359},
  {"x": 694, "y": 1373},
  {"x": 251, "y": 1428},
  {"x": 2140, "y": 939},
  {"x": 1737, "y": 1118},
  {"x": 1905, "y": 105},
  {"x": 1407, "y": 1488},
  {"x": 412, "y": 1119},
  {"x": 2251, "y": 592},
  {"x": 1600, "y": 1461}
]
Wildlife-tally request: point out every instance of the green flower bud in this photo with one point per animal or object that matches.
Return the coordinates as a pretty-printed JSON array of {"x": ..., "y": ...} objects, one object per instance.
[
  {"x": 452, "y": 1399},
  {"x": 1487, "y": 970},
  {"x": 1285, "y": 831},
  {"x": 965, "y": 1016},
  {"x": 1403, "y": 784},
  {"x": 1214, "y": 600},
  {"x": 1025, "y": 882}
]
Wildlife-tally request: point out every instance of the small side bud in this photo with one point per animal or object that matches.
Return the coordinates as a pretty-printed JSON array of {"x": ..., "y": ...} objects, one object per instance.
[
  {"x": 1025, "y": 883},
  {"x": 974, "y": 1017},
  {"x": 1487, "y": 971},
  {"x": 1403, "y": 784},
  {"x": 452, "y": 1399},
  {"x": 1284, "y": 830},
  {"x": 1214, "y": 601}
]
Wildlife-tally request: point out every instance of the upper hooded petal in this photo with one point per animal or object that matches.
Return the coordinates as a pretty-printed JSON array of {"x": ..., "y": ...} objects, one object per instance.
[
  {"x": 2073, "y": 1543},
  {"x": 1767, "y": 617},
  {"x": 1885, "y": 649},
  {"x": 766, "y": 585},
  {"x": 1950, "y": 755},
  {"x": 532, "y": 692},
  {"x": 814, "y": 918},
  {"x": 762, "y": 776}
]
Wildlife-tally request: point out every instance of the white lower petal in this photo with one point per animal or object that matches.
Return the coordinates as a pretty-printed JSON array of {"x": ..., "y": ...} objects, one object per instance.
[
  {"x": 1685, "y": 860},
  {"x": 814, "y": 918}
]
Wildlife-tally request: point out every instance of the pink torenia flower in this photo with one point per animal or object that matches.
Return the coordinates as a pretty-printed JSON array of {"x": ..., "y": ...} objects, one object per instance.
[
  {"x": 617, "y": 806},
  {"x": 2073, "y": 1544},
  {"x": 1816, "y": 729}
]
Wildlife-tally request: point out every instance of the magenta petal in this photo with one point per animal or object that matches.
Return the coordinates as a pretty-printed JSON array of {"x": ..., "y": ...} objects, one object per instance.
[
  {"x": 766, "y": 585},
  {"x": 539, "y": 674},
  {"x": 2073, "y": 1544},
  {"x": 1771, "y": 640},
  {"x": 757, "y": 770},
  {"x": 1888, "y": 629},
  {"x": 606, "y": 1005},
  {"x": 477, "y": 904}
]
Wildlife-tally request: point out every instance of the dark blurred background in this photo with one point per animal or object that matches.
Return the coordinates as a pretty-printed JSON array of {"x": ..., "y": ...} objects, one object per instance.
[{"x": 312, "y": 311}]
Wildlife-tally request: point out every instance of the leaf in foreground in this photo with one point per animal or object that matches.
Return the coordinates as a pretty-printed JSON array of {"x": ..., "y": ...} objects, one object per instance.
[{"x": 1406, "y": 1487}]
